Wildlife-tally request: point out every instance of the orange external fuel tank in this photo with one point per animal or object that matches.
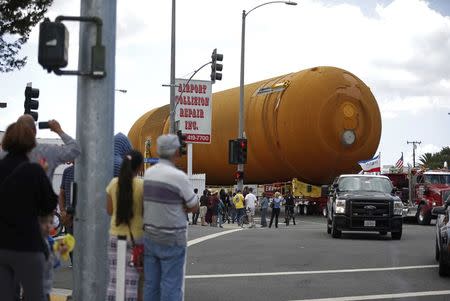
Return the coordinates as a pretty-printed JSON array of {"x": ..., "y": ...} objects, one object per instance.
[{"x": 312, "y": 125}]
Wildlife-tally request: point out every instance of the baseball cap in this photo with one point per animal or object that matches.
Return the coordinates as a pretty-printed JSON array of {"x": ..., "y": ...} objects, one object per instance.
[{"x": 167, "y": 144}]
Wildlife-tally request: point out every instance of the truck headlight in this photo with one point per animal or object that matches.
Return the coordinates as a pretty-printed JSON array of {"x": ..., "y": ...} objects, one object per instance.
[
  {"x": 340, "y": 206},
  {"x": 398, "y": 208}
]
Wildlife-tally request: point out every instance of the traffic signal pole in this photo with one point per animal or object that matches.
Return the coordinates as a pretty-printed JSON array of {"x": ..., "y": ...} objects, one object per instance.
[
  {"x": 172, "y": 73},
  {"x": 240, "y": 182},
  {"x": 94, "y": 168}
]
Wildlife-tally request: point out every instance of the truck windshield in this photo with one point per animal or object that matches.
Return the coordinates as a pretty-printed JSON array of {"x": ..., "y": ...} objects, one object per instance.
[
  {"x": 365, "y": 184},
  {"x": 437, "y": 179}
]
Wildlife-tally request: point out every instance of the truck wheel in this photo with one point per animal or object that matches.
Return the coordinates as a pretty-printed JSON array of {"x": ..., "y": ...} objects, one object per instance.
[
  {"x": 396, "y": 235},
  {"x": 383, "y": 233},
  {"x": 324, "y": 211},
  {"x": 328, "y": 226},
  {"x": 335, "y": 233},
  {"x": 423, "y": 217},
  {"x": 305, "y": 210},
  {"x": 436, "y": 255},
  {"x": 444, "y": 268}
]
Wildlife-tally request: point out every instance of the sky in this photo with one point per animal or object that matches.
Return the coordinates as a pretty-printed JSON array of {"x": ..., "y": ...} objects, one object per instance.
[{"x": 399, "y": 48}]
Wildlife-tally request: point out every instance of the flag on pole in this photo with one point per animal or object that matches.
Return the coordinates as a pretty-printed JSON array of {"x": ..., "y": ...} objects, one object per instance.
[
  {"x": 372, "y": 165},
  {"x": 399, "y": 164}
]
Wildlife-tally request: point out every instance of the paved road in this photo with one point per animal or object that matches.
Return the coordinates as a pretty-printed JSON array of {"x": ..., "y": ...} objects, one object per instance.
[
  {"x": 302, "y": 262},
  {"x": 307, "y": 250}
]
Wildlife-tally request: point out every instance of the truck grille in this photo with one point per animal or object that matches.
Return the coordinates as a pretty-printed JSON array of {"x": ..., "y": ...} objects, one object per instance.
[{"x": 370, "y": 209}]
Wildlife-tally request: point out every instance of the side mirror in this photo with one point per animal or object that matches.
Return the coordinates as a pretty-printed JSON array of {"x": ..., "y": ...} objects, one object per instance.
[{"x": 438, "y": 210}]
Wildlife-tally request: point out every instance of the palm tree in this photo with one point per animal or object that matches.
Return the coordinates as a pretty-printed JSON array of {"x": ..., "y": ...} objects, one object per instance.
[
  {"x": 426, "y": 160},
  {"x": 436, "y": 160}
]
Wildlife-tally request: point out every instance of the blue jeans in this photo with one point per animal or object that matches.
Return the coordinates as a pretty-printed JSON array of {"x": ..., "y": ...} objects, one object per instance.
[
  {"x": 164, "y": 268},
  {"x": 240, "y": 212}
]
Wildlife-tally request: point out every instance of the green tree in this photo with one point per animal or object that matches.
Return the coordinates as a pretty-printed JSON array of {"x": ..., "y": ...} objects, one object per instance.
[
  {"x": 436, "y": 160},
  {"x": 17, "y": 18}
]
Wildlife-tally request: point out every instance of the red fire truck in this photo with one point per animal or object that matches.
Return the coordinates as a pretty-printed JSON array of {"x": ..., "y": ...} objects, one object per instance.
[{"x": 421, "y": 191}]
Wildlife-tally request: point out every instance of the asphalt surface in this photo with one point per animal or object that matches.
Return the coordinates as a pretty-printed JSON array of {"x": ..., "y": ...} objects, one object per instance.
[{"x": 303, "y": 262}]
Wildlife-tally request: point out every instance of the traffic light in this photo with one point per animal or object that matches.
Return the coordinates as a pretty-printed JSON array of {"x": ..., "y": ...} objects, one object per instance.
[
  {"x": 233, "y": 152},
  {"x": 237, "y": 151},
  {"x": 215, "y": 67},
  {"x": 239, "y": 175},
  {"x": 242, "y": 153},
  {"x": 182, "y": 139},
  {"x": 30, "y": 103}
]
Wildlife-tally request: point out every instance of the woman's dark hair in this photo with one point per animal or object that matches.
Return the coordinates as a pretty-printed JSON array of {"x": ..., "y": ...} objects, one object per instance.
[
  {"x": 131, "y": 164},
  {"x": 18, "y": 139}
]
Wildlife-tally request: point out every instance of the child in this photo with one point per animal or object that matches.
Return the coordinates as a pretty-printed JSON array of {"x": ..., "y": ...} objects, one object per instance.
[{"x": 52, "y": 260}]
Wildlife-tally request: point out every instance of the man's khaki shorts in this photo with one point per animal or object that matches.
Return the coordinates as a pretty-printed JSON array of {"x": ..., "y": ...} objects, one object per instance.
[{"x": 203, "y": 210}]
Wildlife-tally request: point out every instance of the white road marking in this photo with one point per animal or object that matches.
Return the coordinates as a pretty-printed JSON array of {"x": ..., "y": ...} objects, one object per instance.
[
  {"x": 203, "y": 238},
  {"x": 414, "y": 267},
  {"x": 309, "y": 222},
  {"x": 385, "y": 296},
  {"x": 61, "y": 292}
]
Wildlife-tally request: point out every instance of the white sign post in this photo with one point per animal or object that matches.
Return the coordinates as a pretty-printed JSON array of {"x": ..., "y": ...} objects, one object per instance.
[{"x": 193, "y": 113}]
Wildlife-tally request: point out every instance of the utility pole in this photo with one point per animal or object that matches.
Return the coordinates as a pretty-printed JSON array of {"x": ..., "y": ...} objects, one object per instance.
[
  {"x": 414, "y": 143},
  {"x": 94, "y": 168},
  {"x": 172, "y": 74}
]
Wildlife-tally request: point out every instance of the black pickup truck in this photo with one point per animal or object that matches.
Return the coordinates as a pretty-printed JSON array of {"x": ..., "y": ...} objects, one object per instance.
[{"x": 364, "y": 203}]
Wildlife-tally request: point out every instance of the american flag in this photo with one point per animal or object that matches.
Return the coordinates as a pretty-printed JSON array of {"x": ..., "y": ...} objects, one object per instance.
[{"x": 399, "y": 164}]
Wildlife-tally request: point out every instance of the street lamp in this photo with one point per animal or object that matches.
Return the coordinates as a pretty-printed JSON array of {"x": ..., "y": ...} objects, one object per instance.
[{"x": 240, "y": 182}]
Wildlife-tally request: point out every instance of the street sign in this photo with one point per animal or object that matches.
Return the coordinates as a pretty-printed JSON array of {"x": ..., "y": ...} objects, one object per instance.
[
  {"x": 151, "y": 160},
  {"x": 193, "y": 109}
]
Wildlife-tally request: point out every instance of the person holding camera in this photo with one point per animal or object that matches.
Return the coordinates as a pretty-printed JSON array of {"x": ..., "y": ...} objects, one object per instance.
[{"x": 51, "y": 154}]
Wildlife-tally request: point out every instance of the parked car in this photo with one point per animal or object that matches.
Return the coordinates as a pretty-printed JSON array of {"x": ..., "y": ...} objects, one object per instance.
[
  {"x": 364, "y": 203},
  {"x": 443, "y": 235}
]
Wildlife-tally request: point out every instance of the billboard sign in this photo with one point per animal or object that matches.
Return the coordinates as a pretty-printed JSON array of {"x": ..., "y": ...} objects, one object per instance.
[{"x": 193, "y": 109}]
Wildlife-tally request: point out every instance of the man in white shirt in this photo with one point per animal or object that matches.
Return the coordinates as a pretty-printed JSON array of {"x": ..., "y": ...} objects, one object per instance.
[
  {"x": 168, "y": 196},
  {"x": 250, "y": 201}
]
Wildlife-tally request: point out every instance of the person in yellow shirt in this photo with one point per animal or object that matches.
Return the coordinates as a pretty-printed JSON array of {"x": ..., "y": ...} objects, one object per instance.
[
  {"x": 125, "y": 205},
  {"x": 238, "y": 201}
]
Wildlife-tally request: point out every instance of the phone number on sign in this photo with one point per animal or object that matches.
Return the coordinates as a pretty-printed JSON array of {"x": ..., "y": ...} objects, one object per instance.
[{"x": 198, "y": 138}]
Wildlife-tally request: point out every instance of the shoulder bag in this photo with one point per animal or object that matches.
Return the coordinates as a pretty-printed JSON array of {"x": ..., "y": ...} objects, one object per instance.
[{"x": 137, "y": 253}]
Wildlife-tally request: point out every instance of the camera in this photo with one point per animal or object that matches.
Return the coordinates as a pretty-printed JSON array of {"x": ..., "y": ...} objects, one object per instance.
[{"x": 43, "y": 125}]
